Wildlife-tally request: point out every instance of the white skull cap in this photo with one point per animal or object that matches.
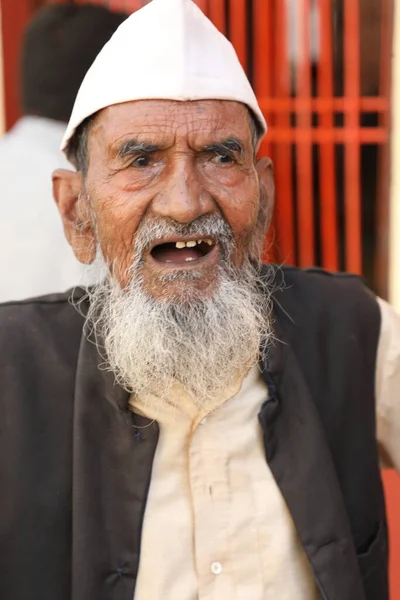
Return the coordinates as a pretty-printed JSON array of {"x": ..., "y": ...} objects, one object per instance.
[{"x": 167, "y": 50}]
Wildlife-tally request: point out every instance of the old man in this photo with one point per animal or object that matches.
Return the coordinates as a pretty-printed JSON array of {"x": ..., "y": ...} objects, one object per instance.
[{"x": 198, "y": 425}]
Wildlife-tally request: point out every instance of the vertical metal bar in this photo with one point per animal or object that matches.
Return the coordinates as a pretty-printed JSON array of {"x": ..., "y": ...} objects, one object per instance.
[
  {"x": 394, "y": 206},
  {"x": 217, "y": 14},
  {"x": 352, "y": 146},
  {"x": 305, "y": 205},
  {"x": 284, "y": 216},
  {"x": 328, "y": 209},
  {"x": 238, "y": 26},
  {"x": 262, "y": 68},
  {"x": 262, "y": 82},
  {"x": 381, "y": 260}
]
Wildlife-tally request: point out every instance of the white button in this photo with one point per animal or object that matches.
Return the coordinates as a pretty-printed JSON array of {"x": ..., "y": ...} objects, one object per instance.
[
  {"x": 203, "y": 421},
  {"x": 216, "y": 568}
]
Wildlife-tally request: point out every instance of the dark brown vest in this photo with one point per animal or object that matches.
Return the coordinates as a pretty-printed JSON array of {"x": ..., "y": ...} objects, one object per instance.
[{"x": 75, "y": 469}]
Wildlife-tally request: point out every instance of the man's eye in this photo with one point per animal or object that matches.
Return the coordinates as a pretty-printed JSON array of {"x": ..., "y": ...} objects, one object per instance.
[
  {"x": 141, "y": 161},
  {"x": 223, "y": 159}
]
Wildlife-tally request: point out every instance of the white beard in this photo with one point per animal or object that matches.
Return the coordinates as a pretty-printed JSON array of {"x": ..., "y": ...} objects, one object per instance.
[{"x": 204, "y": 344}]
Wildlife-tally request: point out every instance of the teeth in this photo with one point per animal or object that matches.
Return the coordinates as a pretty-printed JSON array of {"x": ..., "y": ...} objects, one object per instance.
[{"x": 192, "y": 243}]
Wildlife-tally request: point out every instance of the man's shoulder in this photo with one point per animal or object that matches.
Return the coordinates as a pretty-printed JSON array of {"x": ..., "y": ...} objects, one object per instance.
[
  {"x": 317, "y": 277},
  {"x": 45, "y": 326},
  {"x": 321, "y": 283},
  {"x": 313, "y": 294},
  {"x": 40, "y": 305}
]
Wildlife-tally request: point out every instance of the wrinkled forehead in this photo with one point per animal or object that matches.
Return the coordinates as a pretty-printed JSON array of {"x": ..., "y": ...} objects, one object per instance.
[{"x": 170, "y": 121}]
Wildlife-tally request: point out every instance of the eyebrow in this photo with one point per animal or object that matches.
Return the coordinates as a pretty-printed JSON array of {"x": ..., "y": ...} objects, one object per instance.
[
  {"x": 131, "y": 147},
  {"x": 228, "y": 145}
]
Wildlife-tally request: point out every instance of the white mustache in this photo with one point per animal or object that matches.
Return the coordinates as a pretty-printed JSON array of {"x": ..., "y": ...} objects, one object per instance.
[{"x": 206, "y": 226}]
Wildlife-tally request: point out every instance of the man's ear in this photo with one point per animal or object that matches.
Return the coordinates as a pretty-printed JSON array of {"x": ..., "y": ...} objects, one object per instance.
[
  {"x": 265, "y": 171},
  {"x": 72, "y": 203},
  {"x": 266, "y": 194}
]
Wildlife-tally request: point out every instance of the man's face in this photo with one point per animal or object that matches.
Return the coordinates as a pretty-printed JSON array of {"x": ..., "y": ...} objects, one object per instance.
[
  {"x": 172, "y": 197},
  {"x": 180, "y": 164}
]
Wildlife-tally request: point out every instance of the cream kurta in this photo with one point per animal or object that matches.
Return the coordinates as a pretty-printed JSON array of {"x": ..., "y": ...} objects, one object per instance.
[{"x": 216, "y": 526}]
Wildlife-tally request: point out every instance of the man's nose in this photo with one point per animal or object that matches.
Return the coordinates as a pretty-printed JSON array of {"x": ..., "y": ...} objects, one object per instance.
[{"x": 183, "y": 196}]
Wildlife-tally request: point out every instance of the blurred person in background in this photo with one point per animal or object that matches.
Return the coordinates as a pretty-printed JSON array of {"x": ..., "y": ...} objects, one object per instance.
[{"x": 60, "y": 44}]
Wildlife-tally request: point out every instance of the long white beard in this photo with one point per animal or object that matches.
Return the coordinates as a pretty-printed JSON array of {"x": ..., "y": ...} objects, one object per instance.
[{"x": 204, "y": 344}]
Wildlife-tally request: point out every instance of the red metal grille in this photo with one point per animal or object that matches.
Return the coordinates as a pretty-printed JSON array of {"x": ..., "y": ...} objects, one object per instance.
[
  {"x": 308, "y": 119},
  {"x": 298, "y": 99}
]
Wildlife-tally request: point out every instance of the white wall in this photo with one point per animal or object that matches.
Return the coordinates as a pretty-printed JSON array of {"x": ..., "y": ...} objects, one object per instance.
[{"x": 2, "y": 116}]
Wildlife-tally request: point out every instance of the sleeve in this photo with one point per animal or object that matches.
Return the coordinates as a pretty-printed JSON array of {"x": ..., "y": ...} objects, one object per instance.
[{"x": 388, "y": 386}]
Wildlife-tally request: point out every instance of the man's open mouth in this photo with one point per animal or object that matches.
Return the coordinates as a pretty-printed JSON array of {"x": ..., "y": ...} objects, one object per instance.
[{"x": 183, "y": 251}]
